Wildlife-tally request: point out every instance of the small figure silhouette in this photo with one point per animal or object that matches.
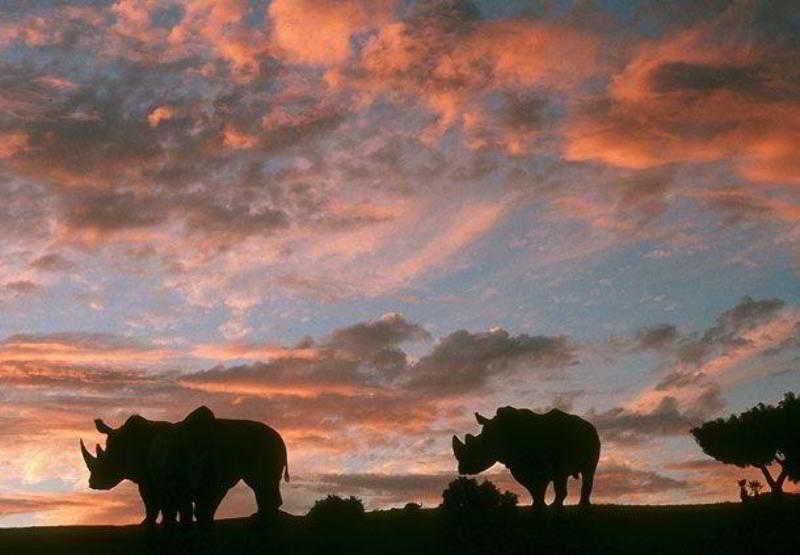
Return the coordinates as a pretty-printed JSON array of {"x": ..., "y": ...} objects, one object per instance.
[
  {"x": 536, "y": 448},
  {"x": 755, "y": 487},
  {"x": 743, "y": 495}
]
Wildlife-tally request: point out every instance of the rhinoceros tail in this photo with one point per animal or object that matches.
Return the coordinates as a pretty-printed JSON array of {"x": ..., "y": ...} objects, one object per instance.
[{"x": 286, "y": 472}]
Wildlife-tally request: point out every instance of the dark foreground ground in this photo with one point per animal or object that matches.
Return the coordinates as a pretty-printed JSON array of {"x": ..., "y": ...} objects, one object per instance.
[{"x": 721, "y": 528}]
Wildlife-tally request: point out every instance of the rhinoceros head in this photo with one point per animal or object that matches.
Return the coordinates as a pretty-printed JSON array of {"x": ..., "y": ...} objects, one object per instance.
[
  {"x": 109, "y": 466},
  {"x": 477, "y": 453}
]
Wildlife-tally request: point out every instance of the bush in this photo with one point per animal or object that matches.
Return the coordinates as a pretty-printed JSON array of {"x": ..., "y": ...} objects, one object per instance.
[
  {"x": 476, "y": 518},
  {"x": 412, "y": 508},
  {"x": 335, "y": 513},
  {"x": 464, "y": 498}
]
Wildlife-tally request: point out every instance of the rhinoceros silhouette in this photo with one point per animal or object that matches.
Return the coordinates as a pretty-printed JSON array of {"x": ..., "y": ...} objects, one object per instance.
[
  {"x": 187, "y": 467},
  {"x": 536, "y": 448}
]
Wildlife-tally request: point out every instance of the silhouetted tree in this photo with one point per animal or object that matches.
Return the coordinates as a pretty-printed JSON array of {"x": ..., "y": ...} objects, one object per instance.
[
  {"x": 759, "y": 437},
  {"x": 789, "y": 409}
]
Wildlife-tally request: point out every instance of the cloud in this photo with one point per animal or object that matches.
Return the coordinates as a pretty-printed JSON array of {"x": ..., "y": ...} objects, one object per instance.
[
  {"x": 120, "y": 506},
  {"x": 358, "y": 359},
  {"x": 719, "y": 90},
  {"x": 449, "y": 58},
  {"x": 52, "y": 262},
  {"x": 667, "y": 418},
  {"x": 739, "y": 331},
  {"x": 22, "y": 287},
  {"x": 618, "y": 480},
  {"x": 37, "y": 504},
  {"x": 311, "y": 32},
  {"x": 656, "y": 338},
  {"x": 383, "y": 489},
  {"x": 464, "y": 361},
  {"x": 79, "y": 348},
  {"x": 12, "y": 143},
  {"x": 740, "y": 204},
  {"x": 696, "y": 367}
]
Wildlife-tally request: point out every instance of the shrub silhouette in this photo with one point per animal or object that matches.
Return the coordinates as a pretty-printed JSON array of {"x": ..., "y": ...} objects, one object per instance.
[
  {"x": 412, "y": 508},
  {"x": 476, "y": 518},
  {"x": 335, "y": 513},
  {"x": 755, "y": 487},
  {"x": 759, "y": 437},
  {"x": 336, "y": 524}
]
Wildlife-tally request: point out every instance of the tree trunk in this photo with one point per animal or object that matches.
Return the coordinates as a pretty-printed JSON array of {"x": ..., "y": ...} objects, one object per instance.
[{"x": 775, "y": 485}]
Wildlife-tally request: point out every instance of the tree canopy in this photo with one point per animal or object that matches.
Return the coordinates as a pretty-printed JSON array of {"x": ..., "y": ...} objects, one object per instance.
[{"x": 759, "y": 437}]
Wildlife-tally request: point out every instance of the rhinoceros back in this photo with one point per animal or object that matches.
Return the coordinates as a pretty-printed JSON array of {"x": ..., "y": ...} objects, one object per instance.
[
  {"x": 242, "y": 449},
  {"x": 561, "y": 441}
]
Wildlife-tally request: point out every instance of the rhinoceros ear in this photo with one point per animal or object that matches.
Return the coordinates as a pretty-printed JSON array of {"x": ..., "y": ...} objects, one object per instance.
[
  {"x": 102, "y": 427},
  {"x": 458, "y": 447},
  {"x": 482, "y": 420}
]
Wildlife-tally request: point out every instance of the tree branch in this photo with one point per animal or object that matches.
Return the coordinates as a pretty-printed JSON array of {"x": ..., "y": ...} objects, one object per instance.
[
  {"x": 772, "y": 484},
  {"x": 781, "y": 479}
]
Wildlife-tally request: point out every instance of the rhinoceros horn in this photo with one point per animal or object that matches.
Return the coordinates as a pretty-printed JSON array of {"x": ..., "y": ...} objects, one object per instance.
[
  {"x": 458, "y": 446},
  {"x": 481, "y": 419},
  {"x": 87, "y": 457}
]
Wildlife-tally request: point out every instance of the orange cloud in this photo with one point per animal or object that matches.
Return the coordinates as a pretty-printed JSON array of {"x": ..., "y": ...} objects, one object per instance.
[
  {"x": 253, "y": 351},
  {"x": 159, "y": 114},
  {"x": 259, "y": 388},
  {"x": 236, "y": 139},
  {"x": 78, "y": 348},
  {"x": 706, "y": 94},
  {"x": 319, "y": 32},
  {"x": 450, "y": 66},
  {"x": 12, "y": 143},
  {"x": 722, "y": 366}
]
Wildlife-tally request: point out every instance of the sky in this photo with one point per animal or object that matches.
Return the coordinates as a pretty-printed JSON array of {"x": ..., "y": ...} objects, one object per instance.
[{"x": 359, "y": 221}]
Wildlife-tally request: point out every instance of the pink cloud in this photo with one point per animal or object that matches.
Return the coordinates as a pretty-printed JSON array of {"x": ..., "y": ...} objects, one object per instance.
[
  {"x": 12, "y": 143},
  {"x": 704, "y": 94},
  {"x": 319, "y": 32}
]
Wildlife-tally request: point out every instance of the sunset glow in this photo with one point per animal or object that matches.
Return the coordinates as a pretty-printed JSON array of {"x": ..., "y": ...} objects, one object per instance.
[{"x": 360, "y": 221}]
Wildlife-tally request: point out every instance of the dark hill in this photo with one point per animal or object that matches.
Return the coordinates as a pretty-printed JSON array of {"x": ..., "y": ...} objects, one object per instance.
[{"x": 682, "y": 529}]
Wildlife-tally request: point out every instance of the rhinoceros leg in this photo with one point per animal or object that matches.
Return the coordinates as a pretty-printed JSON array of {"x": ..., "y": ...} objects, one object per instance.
[
  {"x": 186, "y": 512},
  {"x": 169, "y": 516},
  {"x": 560, "y": 487},
  {"x": 268, "y": 498},
  {"x": 207, "y": 504},
  {"x": 587, "y": 481},
  {"x": 538, "y": 488},
  {"x": 151, "y": 506}
]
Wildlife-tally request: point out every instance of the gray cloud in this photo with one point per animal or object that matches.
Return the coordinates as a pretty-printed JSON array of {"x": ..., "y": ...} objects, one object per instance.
[
  {"x": 683, "y": 76},
  {"x": 617, "y": 480},
  {"x": 52, "y": 262},
  {"x": 728, "y": 329},
  {"x": 23, "y": 287},
  {"x": 666, "y": 419},
  {"x": 656, "y": 338},
  {"x": 464, "y": 361}
]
